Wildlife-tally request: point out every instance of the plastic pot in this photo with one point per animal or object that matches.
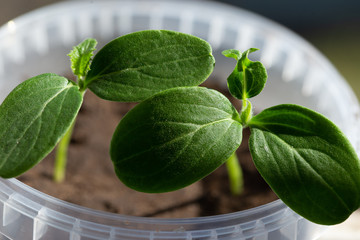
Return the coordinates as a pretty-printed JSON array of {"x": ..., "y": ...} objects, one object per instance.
[{"x": 39, "y": 41}]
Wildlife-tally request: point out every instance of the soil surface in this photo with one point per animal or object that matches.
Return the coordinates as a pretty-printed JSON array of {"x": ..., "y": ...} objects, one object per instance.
[{"x": 91, "y": 181}]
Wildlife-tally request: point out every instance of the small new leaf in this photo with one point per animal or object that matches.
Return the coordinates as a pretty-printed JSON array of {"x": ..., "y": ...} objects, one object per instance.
[
  {"x": 138, "y": 65},
  {"x": 33, "y": 118},
  {"x": 232, "y": 53},
  {"x": 248, "y": 78},
  {"x": 80, "y": 57},
  {"x": 307, "y": 161},
  {"x": 174, "y": 139}
]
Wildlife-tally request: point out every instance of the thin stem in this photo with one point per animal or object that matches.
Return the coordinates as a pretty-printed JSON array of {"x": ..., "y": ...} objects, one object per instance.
[
  {"x": 235, "y": 175},
  {"x": 61, "y": 155},
  {"x": 246, "y": 112},
  {"x": 81, "y": 83}
]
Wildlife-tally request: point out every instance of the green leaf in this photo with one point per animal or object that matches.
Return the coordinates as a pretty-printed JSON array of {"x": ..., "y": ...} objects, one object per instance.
[
  {"x": 174, "y": 139},
  {"x": 138, "y": 65},
  {"x": 307, "y": 161},
  {"x": 33, "y": 118},
  {"x": 248, "y": 78},
  {"x": 81, "y": 55},
  {"x": 232, "y": 53}
]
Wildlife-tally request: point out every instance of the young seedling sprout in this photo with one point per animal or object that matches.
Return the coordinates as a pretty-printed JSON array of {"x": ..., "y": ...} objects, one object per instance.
[
  {"x": 180, "y": 132},
  {"x": 42, "y": 110}
]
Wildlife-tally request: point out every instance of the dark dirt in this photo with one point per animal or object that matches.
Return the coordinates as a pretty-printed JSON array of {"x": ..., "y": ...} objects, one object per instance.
[{"x": 91, "y": 181}]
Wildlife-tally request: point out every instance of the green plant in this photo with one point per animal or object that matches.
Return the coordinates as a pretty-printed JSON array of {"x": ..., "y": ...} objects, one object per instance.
[
  {"x": 42, "y": 110},
  {"x": 180, "y": 132}
]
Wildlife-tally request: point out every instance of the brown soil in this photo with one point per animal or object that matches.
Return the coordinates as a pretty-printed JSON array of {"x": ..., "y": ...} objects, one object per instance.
[{"x": 91, "y": 181}]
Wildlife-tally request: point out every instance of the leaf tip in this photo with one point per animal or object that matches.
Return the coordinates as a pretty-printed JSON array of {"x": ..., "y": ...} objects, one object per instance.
[{"x": 232, "y": 53}]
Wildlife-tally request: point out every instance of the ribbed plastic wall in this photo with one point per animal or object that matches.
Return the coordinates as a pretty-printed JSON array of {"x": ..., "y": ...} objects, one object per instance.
[{"x": 28, "y": 215}]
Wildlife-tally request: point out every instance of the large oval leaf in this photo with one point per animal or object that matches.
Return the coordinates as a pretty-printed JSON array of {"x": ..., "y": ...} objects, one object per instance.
[
  {"x": 174, "y": 139},
  {"x": 33, "y": 118},
  {"x": 307, "y": 161},
  {"x": 138, "y": 65}
]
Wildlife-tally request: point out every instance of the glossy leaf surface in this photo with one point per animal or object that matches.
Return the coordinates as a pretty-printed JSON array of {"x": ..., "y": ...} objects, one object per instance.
[
  {"x": 33, "y": 118},
  {"x": 307, "y": 161},
  {"x": 138, "y": 65},
  {"x": 175, "y": 138},
  {"x": 248, "y": 78}
]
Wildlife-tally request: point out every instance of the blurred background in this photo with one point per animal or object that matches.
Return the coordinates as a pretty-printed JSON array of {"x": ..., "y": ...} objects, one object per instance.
[{"x": 332, "y": 26}]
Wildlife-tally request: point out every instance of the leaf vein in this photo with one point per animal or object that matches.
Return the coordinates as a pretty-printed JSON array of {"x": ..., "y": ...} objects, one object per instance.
[
  {"x": 295, "y": 151},
  {"x": 30, "y": 124},
  {"x": 265, "y": 126},
  {"x": 174, "y": 139},
  {"x": 137, "y": 69}
]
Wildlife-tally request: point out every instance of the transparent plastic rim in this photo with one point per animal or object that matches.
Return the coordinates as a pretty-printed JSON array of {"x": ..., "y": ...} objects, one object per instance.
[
  {"x": 69, "y": 217},
  {"x": 34, "y": 194},
  {"x": 21, "y": 193}
]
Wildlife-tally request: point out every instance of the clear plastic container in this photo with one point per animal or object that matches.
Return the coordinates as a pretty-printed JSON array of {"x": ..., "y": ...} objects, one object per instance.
[{"x": 39, "y": 41}]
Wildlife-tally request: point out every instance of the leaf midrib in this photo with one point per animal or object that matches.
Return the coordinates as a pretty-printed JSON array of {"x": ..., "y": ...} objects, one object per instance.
[
  {"x": 295, "y": 151},
  {"x": 41, "y": 110},
  {"x": 185, "y": 147},
  {"x": 177, "y": 138},
  {"x": 137, "y": 69}
]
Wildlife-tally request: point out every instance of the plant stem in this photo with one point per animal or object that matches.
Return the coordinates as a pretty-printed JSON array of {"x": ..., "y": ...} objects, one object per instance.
[
  {"x": 61, "y": 155},
  {"x": 235, "y": 175},
  {"x": 246, "y": 112}
]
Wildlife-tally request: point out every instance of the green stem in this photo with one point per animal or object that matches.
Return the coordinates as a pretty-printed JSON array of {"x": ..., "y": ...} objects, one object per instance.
[
  {"x": 235, "y": 175},
  {"x": 246, "y": 112},
  {"x": 61, "y": 155}
]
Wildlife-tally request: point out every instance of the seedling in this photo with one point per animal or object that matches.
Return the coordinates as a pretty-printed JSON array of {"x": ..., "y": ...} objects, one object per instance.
[
  {"x": 42, "y": 110},
  {"x": 179, "y": 132}
]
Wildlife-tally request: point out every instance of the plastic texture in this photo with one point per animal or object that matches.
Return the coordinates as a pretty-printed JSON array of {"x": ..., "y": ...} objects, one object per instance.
[{"x": 39, "y": 41}]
